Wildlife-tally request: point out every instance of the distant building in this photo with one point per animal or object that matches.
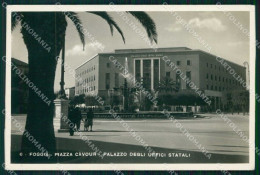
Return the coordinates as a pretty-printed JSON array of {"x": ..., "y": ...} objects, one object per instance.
[
  {"x": 19, "y": 89},
  {"x": 100, "y": 75},
  {"x": 70, "y": 92}
]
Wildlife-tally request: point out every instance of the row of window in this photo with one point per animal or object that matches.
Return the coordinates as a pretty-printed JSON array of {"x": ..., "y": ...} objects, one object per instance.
[
  {"x": 87, "y": 80},
  {"x": 86, "y": 89},
  {"x": 211, "y": 66},
  {"x": 223, "y": 79},
  {"x": 92, "y": 68},
  {"x": 188, "y": 63},
  {"x": 216, "y": 67},
  {"x": 216, "y": 88},
  {"x": 90, "y": 79}
]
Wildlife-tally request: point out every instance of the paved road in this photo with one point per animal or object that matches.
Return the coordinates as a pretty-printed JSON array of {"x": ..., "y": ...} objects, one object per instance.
[{"x": 211, "y": 131}]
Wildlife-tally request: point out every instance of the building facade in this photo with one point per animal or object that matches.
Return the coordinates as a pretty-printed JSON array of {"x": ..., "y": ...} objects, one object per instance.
[
  {"x": 101, "y": 74},
  {"x": 70, "y": 92}
]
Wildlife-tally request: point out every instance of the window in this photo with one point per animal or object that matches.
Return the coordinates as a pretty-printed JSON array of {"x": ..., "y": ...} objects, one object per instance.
[
  {"x": 207, "y": 87},
  {"x": 155, "y": 74},
  {"x": 211, "y": 87},
  {"x": 168, "y": 74},
  {"x": 138, "y": 70},
  {"x": 116, "y": 80},
  {"x": 147, "y": 78},
  {"x": 178, "y": 81},
  {"x": 219, "y": 78},
  {"x": 216, "y": 78},
  {"x": 188, "y": 62},
  {"x": 107, "y": 80},
  {"x": 108, "y": 65},
  {"x": 188, "y": 75},
  {"x": 216, "y": 88},
  {"x": 178, "y": 63},
  {"x": 207, "y": 76},
  {"x": 211, "y": 77}
]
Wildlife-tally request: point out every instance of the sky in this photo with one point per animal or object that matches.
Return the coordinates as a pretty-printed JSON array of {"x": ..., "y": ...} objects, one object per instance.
[{"x": 219, "y": 32}]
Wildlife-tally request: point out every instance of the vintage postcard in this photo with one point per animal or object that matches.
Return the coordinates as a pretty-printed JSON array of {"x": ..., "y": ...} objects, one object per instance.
[{"x": 130, "y": 87}]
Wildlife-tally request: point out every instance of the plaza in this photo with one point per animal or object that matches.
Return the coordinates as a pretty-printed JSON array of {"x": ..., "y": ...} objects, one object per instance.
[{"x": 163, "y": 136}]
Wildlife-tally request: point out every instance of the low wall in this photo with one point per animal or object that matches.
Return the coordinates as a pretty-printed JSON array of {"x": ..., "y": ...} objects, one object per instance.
[{"x": 142, "y": 115}]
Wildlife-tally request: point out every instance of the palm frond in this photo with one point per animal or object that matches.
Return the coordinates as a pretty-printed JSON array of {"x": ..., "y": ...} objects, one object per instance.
[
  {"x": 16, "y": 17},
  {"x": 147, "y": 23},
  {"x": 110, "y": 22},
  {"x": 78, "y": 24}
]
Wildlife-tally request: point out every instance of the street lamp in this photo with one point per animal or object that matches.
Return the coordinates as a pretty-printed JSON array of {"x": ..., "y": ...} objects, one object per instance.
[{"x": 62, "y": 94}]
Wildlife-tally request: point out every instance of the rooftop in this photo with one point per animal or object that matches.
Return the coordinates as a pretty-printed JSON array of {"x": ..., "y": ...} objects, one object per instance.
[
  {"x": 144, "y": 50},
  {"x": 159, "y": 50}
]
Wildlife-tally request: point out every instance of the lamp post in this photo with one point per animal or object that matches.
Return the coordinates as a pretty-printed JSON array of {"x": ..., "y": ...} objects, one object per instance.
[
  {"x": 62, "y": 94},
  {"x": 61, "y": 103}
]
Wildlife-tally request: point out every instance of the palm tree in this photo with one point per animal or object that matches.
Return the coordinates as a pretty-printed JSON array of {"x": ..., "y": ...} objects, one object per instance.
[
  {"x": 51, "y": 26},
  {"x": 167, "y": 84}
]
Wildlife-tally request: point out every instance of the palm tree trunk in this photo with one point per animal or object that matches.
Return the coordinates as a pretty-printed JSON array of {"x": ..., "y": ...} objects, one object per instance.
[
  {"x": 39, "y": 123},
  {"x": 39, "y": 130}
]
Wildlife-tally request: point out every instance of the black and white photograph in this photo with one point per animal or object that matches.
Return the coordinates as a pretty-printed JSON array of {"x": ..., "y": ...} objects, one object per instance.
[{"x": 130, "y": 87}]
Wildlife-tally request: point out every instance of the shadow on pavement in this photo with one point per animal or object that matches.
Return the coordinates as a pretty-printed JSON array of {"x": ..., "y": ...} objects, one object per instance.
[{"x": 77, "y": 145}]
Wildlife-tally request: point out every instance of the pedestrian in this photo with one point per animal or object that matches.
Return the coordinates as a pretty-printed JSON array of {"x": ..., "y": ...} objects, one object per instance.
[
  {"x": 78, "y": 117},
  {"x": 71, "y": 117},
  {"x": 90, "y": 116}
]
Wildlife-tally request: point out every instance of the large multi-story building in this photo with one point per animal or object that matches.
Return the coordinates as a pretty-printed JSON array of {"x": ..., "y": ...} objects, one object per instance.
[{"x": 99, "y": 75}]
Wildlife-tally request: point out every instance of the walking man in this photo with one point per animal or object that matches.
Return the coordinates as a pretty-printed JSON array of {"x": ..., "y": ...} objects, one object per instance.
[
  {"x": 71, "y": 117},
  {"x": 78, "y": 117},
  {"x": 90, "y": 116}
]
